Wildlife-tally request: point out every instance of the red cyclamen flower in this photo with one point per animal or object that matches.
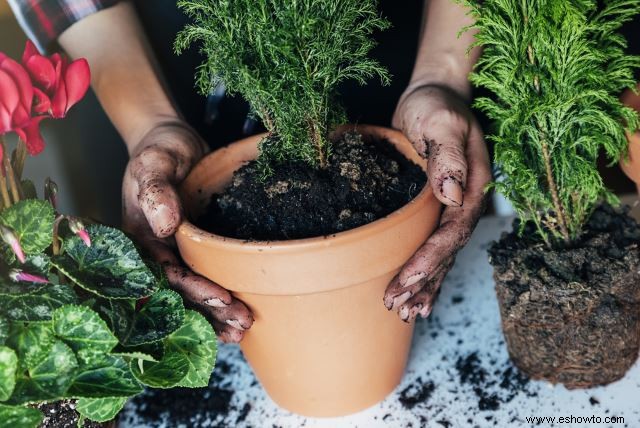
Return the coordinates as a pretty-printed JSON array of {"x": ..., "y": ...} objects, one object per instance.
[
  {"x": 16, "y": 96},
  {"x": 58, "y": 84}
]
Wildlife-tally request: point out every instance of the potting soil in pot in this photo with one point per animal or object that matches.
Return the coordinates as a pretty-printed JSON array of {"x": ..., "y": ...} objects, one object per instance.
[
  {"x": 572, "y": 315},
  {"x": 362, "y": 183}
]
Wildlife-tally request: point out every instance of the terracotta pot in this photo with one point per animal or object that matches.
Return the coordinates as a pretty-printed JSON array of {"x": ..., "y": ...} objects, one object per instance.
[
  {"x": 631, "y": 166},
  {"x": 322, "y": 344}
]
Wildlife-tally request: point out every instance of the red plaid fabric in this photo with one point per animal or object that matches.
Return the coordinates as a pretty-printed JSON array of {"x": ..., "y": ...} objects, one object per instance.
[{"x": 45, "y": 20}]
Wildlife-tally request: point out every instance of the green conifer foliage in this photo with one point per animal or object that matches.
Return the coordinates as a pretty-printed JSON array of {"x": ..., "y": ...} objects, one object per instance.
[
  {"x": 555, "y": 68},
  {"x": 286, "y": 58}
]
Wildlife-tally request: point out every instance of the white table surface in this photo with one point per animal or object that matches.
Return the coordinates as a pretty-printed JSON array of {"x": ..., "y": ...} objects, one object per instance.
[{"x": 464, "y": 321}]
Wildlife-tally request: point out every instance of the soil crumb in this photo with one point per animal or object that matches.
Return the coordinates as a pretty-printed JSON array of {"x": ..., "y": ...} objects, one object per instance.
[
  {"x": 416, "y": 393},
  {"x": 364, "y": 181},
  {"x": 572, "y": 314},
  {"x": 63, "y": 414}
]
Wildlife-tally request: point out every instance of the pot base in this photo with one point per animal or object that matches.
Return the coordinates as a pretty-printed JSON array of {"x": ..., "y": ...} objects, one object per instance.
[{"x": 572, "y": 316}]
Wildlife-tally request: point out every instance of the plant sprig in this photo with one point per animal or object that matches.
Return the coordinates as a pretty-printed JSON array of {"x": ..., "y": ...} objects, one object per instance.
[
  {"x": 286, "y": 58},
  {"x": 556, "y": 69}
]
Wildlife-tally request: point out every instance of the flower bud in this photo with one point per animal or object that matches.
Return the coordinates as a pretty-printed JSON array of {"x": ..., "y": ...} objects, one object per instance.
[
  {"x": 51, "y": 192},
  {"x": 20, "y": 276},
  {"x": 9, "y": 236},
  {"x": 78, "y": 228}
]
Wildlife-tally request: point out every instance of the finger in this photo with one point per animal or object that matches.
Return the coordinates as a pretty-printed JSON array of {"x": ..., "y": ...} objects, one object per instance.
[
  {"x": 204, "y": 294},
  {"x": 447, "y": 166},
  {"x": 395, "y": 294},
  {"x": 228, "y": 334},
  {"x": 422, "y": 302},
  {"x": 154, "y": 171},
  {"x": 435, "y": 254}
]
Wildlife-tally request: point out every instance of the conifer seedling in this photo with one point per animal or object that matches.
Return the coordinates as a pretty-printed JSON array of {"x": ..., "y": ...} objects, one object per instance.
[
  {"x": 286, "y": 58},
  {"x": 556, "y": 69}
]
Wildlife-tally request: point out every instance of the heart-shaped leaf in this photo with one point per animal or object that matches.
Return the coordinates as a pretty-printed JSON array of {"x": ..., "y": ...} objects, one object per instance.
[
  {"x": 48, "y": 380},
  {"x": 32, "y": 341},
  {"x": 8, "y": 367},
  {"x": 158, "y": 317},
  {"x": 32, "y": 220},
  {"x": 111, "y": 267},
  {"x": 100, "y": 409},
  {"x": 19, "y": 417},
  {"x": 109, "y": 377},
  {"x": 167, "y": 373},
  {"x": 195, "y": 340},
  {"x": 84, "y": 331},
  {"x": 37, "y": 303}
]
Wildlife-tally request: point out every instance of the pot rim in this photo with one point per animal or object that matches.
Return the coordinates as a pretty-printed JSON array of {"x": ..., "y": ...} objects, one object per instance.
[{"x": 193, "y": 232}]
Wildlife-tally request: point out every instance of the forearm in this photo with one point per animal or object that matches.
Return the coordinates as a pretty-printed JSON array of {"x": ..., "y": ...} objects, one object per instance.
[
  {"x": 124, "y": 75},
  {"x": 442, "y": 56}
]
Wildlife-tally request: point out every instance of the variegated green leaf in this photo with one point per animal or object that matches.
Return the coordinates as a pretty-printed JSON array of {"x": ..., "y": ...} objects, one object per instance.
[
  {"x": 197, "y": 341},
  {"x": 158, "y": 317},
  {"x": 8, "y": 368},
  {"x": 100, "y": 409},
  {"x": 83, "y": 330},
  {"x": 109, "y": 377},
  {"x": 32, "y": 341},
  {"x": 32, "y": 220},
  {"x": 35, "y": 302},
  {"x": 110, "y": 268},
  {"x": 167, "y": 373},
  {"x": 19, "y": 417},
  {"x": 49, "y": 379}
]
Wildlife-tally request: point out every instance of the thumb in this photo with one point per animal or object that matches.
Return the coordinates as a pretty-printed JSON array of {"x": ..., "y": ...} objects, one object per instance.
[
  {"x": 447, "y": 165},
  {"x": 154, "y": 172}
]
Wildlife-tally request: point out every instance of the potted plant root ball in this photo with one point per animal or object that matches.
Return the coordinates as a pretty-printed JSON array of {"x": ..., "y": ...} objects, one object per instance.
[
  {"x": 567, "y": 275},
  {"x": 308, "y": 223}
]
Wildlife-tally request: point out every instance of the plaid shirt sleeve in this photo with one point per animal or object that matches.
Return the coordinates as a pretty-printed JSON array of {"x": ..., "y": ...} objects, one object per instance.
[{"x": 45, "y": 20}]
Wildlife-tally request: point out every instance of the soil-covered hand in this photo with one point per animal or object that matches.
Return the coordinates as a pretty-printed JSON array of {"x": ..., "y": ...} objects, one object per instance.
[
  {"x": 443, "y": 130},
  {"x": 152, "y": 214}
]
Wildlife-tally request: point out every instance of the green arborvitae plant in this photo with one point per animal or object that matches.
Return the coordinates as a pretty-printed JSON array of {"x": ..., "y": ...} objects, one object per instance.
[
  {"x": 556, "y": 69},
  {"x": 286, "y": 58}
]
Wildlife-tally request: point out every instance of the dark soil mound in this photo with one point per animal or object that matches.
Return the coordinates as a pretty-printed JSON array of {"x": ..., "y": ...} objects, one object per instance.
[
  {"x": 63, "y": 414},
  {"x": 572, "y": 315},
  {"x": 362, "y": 183}
]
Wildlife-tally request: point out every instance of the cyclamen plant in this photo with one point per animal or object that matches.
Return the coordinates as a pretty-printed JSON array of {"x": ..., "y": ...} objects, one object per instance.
[
  {"x": 556, "y": 69},
  {"x": 286, "y": 58},
  {"x": 82, "y": 315}
]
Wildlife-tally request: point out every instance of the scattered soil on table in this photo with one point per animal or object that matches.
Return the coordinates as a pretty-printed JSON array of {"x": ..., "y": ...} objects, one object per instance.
[
  {"x": 362, "y": 183},
  {"x": 416, "y": 393},
  {"x": 63, "y": 414},
  {"x": 491, "y": 388},
  {"x": 210, "y": 407},
  {"x": 572, "y": 315}
]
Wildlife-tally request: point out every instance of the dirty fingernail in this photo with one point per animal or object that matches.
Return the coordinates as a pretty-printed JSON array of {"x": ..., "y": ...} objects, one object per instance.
[
  {"x": 400, "y": 299},
  {"x": 415, "y": 310},
  {"x": 413, "y": 279},
  {"x": 404, "y": 313},
  {"x": 235, "y": 324},
  {"x": 452, "y": 190},
  {"x": 215, "y": 303},
  {"x": 426, "y": 311}
]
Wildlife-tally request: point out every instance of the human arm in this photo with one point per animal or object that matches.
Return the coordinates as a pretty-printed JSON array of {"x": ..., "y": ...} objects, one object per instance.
[{"x": 433, "y": 113}]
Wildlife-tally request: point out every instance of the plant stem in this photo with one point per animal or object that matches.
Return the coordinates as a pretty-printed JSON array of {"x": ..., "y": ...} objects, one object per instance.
[
  {"x": 20, "y": 155},
  {"x": 553, "y": 188},
  {"x": 55, "y": 249},
  {"x": 6, "y": 201},
  {"x": 8, "y": 169}
]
